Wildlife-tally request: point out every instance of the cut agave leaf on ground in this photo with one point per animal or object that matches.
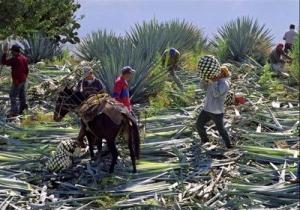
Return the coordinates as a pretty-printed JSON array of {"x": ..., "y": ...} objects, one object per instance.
[{"x": 178, "y": 173}]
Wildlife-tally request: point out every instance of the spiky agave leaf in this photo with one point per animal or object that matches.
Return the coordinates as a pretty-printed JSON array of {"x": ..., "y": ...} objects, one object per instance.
[
  {"x": 140, "y": 49},
  {"x": 14, "y": 184},
  {"x": 38, "y": 46},
  {"x": 242, "y": 37},
  {"x": 156, "y": 37},
  {"x": 97, "y": 45}
]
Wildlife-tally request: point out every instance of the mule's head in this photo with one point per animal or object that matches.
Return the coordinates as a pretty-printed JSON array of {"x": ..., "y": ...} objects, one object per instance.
[{"x": 62, "y": 106}]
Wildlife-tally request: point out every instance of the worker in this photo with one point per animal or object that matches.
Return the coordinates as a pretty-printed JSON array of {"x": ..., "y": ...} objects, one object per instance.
[
  {"x": 121, "y": 88},
  {"x": 88, "y": 86},
  {"x": 289, "y": 38},
  {"x": 216, "y": 90},
  {"x": 278, "y": 59},
  {"x": 170, "y": 60},
  {"x": 19, "y": 74}
]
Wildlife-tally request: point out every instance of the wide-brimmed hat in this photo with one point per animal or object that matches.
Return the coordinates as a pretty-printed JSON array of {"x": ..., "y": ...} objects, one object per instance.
[
  {"x": 127, "y": 69},
  {"x": 86, "y": 71},
  {"x": 209, "y": 67},
  {"x": 15, "y": 48}
]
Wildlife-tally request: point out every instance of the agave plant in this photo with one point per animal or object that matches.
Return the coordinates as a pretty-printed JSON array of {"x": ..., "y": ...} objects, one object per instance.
[
  {"x": 155, "y": 37},
  {"x": 97, "y": 44},
  {"x": 37, "y": 46},
  {"x": 241, "y": 38},
  {"x": 140, "y": 48}
]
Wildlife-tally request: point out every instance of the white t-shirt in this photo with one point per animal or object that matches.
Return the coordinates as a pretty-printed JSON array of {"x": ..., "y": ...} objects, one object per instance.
[{"x": 290, "y": 36}]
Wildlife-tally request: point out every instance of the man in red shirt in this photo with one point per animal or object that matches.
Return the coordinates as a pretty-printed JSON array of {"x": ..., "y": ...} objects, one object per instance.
[
  {"x": 121, "y": 89},
  {"x": 19, "y": 73}
]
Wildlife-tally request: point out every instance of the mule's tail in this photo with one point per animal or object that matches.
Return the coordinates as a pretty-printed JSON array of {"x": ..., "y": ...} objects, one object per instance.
[{"x": 135, "y": 138}]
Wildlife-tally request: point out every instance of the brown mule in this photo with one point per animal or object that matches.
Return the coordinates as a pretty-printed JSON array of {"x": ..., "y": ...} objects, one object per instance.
[{"x": 101, "y": 126}]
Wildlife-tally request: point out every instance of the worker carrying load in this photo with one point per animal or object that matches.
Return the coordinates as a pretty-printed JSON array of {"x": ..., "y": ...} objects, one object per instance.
[{"x": 214, "y": 80}]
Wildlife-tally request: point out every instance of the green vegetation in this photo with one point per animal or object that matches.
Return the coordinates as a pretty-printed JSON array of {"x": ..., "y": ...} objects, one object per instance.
[
  {"x": 175, "y": 171},
  {"x": 295, "y": 65},
  {"x": 170, "y": 96},
  {"x": 241, "y": 38},
  {"x": 189, "y": 60},
  {"x": 269, "y": 82},
  {"x": 55, "y": 18},
  {"x": 141, "y": 49},
  {"x": 37, "y": 46}
]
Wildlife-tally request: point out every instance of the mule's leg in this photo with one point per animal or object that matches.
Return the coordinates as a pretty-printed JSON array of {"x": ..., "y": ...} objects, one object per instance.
[
  {"x": 114, "y": 153},
  {"x": 90, "y": 138},
  {"x": 99, "y": 146},
  {"x": 105, "y": 152},
  {"x": 81, "y": 135},
  {"x": 132, "y": 155}
]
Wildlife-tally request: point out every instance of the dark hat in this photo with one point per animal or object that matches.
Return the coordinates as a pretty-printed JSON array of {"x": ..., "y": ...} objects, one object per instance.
[
  {"x": 172, "y": 51},
  {"x": 16, "y": 48},
  {"x": 127, "y": 69}
]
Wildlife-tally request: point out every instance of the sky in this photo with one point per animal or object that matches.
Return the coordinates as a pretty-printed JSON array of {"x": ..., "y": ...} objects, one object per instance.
[{"x": 119, "y": 15}]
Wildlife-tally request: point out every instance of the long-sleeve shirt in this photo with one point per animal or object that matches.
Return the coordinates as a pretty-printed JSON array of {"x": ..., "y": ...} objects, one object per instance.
[
  {"x": 19, "y": 67},
  {"x": 276, "y": 56},
  {"x": 215, "y": 96},
  {"x": 170, "y": 61},
  {"x": 121, "y": 92},
  {"x": 289, "y": 36},
  {"x": 90, "y": 87}
]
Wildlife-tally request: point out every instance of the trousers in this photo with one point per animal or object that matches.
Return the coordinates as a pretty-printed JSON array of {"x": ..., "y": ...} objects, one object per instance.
[
  {"x": 205, "y": 117},
  {"x": 18, "y": 91}
]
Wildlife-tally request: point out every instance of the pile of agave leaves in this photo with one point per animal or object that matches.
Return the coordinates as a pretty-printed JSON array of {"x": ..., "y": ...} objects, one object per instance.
[{"x": 174, "y": 172}]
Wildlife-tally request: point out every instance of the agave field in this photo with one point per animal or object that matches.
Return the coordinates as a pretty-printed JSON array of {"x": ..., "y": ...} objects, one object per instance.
[{"x": 175, "y": 171}]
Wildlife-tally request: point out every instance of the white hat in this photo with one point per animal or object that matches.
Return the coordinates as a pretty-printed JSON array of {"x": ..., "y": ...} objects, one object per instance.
[{"x": 86, "y": 71}]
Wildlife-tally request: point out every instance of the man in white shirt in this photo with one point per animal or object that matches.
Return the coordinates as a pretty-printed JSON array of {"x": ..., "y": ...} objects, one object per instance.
[{"x": 289, "y": 38}]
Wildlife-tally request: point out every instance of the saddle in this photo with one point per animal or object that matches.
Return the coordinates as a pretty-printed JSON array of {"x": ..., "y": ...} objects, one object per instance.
[{"x": 104, "y": 103}]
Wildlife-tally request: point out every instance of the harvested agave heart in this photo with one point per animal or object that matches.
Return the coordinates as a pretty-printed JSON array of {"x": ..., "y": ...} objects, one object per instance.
[
  {"x": 209, "y": 67},
  {"x": 62, "y": 158},
  {"x": 59, "y": 162}
]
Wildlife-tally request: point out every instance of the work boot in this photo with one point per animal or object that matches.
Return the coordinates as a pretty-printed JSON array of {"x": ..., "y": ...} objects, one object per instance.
[
  {"x": 22, "y": 108},
  {"x": 11, "y": 117}
]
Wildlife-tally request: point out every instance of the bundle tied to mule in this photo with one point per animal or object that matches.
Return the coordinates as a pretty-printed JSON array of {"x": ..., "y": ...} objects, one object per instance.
[{"x": 104, "y": 103}]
